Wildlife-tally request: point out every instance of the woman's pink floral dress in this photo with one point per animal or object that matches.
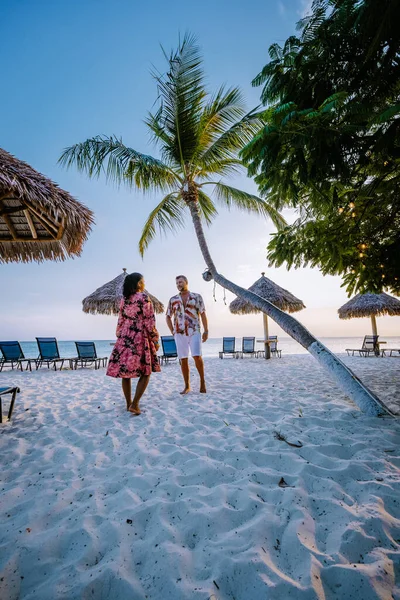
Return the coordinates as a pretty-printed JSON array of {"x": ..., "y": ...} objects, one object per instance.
[{"x": 134, "y": 353}]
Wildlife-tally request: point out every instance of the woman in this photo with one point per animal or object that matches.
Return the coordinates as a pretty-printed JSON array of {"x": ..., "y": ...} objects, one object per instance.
[{"x": 135, "y": 352}]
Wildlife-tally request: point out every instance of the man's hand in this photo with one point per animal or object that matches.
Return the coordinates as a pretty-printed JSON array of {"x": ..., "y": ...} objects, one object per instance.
[{"x": 204, "y": 336}]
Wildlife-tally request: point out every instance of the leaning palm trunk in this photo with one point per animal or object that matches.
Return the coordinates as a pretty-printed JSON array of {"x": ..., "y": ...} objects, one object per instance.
[{"x": 350, "y": 384}]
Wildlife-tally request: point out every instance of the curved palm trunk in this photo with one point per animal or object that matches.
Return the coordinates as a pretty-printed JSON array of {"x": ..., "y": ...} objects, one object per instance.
[{"x": 353, "y": 387}]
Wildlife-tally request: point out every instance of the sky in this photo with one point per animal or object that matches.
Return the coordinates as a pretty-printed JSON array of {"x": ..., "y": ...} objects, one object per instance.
[{"x": 74, "y": 69}]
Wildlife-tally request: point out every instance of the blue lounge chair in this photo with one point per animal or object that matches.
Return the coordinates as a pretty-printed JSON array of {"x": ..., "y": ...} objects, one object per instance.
[
  {"x": 228, "y": 347},
  {"x": 248, "y": 347},
  {"x": 13, "y": 355},
  {"x": 48, "y": 353},
  {"x": 8, "y": 390},
  {"x": 87, "y": 355},
  {"x": 168, "y": 348}
]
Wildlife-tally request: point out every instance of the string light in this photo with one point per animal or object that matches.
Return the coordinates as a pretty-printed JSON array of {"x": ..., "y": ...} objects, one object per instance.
[
  {"x": 340, "y": 210},
  {"x": 351, "y": 205},
  {"x": 353, "y": 215},
  {"x": 361, "y": 255}
]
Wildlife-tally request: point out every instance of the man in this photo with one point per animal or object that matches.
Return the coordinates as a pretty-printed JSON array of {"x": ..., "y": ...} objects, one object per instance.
[{"x": 186, "y": 308}]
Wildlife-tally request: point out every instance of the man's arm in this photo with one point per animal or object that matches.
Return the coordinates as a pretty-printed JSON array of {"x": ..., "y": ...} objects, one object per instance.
[
  {"x": 169, "y": 324},
  {"x": 203, "y": 317},
  {"x": 168, "y": 318}
]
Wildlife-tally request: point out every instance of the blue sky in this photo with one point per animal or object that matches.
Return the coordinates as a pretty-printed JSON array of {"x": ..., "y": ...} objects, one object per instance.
[{"x": 74, "y": 69}]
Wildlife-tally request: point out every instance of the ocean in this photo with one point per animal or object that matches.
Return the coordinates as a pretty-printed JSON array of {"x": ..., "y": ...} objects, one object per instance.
[{"x": 211, "y": 348}]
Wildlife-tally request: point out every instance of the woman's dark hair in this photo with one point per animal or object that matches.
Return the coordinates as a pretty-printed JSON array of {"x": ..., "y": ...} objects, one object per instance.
[{"x": 130, "y": 284}]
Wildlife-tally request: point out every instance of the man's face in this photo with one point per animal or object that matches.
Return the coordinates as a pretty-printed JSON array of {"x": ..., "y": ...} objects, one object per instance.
[{"x": 181, "y": 284}]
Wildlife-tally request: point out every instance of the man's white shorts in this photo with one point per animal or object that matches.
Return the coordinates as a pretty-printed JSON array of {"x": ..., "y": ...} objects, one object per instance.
[{"x": 184, "y": 342}]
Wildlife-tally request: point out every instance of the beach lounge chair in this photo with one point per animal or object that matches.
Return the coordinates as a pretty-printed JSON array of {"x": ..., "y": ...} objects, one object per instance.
[
  {"x": 248, "y": 347},
  {"x": 169, "y": 351},
  {"x": 87, "y": 356},
  {"x": 273, "y": 346},
  {"x": 8, "y": 390},
  {"x": 48, "y": 353},
  {"x": 13, "y": 355},
  {"x": 370, "y": 345},
  {"x": 228, "y": 347},
  {"x": 391, "y": 352}
]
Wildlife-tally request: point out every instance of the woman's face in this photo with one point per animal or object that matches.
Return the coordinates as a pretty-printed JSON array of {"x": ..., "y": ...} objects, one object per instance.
[{"x": 141, "y": 285}]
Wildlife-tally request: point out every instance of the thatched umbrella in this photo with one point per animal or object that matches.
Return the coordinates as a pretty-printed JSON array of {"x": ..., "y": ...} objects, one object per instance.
[
  {"x": 38, "y": 220},
  {"x": 272, "y": 292},
  {"x": 370, "y": 305},
  {"x": 106, "y": 299}
]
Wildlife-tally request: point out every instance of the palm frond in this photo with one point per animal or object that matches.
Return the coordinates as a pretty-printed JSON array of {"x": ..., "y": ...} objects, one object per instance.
[
  {"x": 207, "y": 207},
  {"x": 181, "y": 95},
  {"x": 222, "y": 111},
  {"x": 168, "y": 215},
  {"x": 230, "y": 196},
  {"x": 159, "y": 133},
  {"x": 150, "y": 175},
  {"x": 109, "y": 156},
  {"x": 227, "y": 145},
  {"x": 222, "y": 167}
]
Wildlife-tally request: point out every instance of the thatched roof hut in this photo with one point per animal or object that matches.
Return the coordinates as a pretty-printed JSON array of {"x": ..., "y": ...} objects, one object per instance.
[
  {"x": 267, "y": 289},
  {"x": 370, "y": 305},
  {"x": 106, "y": 299},
  {"x": 270, "y": 291},
  {"x": 38, "y": 220}
]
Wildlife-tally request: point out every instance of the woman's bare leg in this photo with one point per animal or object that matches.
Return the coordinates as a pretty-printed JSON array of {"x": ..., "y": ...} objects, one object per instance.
[
  {"x": 126, "y": 388},
  {"x": 140, "y": 390}
]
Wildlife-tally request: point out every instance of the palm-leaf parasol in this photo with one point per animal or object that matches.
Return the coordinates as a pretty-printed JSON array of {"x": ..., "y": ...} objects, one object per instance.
[
  {"x": 38, "y": 220},
  {"x": 107, "y": 298},
  {"x": 272, "y": 292},
  {"x": 370, "y": 305}
]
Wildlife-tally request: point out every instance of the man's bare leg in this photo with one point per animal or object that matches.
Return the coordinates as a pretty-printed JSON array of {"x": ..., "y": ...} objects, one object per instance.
[
  {"x": 186, "y": 375},
  {"x": 140, "y": 390},
  {"x": 198, "y": 361},
  {"x": 126, "y": 388}
]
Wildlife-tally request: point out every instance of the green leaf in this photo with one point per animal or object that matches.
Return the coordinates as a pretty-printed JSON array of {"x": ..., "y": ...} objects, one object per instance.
[
  {"x": 230, "y": 196},
  {"x": 168, "y": 215}
]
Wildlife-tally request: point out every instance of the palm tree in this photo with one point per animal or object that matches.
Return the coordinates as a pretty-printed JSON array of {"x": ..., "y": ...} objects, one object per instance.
[{"x": 200, "y": 137}]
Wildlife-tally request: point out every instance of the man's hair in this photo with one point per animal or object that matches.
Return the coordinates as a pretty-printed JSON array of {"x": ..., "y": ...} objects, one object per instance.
[{"x": 182, "y": 277}]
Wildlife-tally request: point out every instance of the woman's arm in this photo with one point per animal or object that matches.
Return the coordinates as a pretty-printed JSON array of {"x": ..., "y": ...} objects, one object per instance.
[
  {"x": 149, "y": 320},
  {"x": 120, "y": 320}
]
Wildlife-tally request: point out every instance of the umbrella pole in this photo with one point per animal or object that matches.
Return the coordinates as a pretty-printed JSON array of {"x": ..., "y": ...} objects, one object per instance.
[
  {"x": 375, "y": 332},
  {"x": 374, "y": 327},
  {"x": 266, "y": 337}
]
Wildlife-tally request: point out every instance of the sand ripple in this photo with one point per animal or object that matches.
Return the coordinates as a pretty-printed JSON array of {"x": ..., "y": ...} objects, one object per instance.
[{"x": 185, "y": 503}]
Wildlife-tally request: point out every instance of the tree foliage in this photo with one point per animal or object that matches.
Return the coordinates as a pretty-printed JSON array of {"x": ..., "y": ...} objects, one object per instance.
[
  {"x": 199, "y": 137},
  {"x": 330, "y": 144}
]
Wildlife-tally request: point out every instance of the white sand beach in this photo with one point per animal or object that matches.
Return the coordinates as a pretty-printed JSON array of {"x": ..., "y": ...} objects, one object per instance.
[{"x": 184, "y": 502}]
